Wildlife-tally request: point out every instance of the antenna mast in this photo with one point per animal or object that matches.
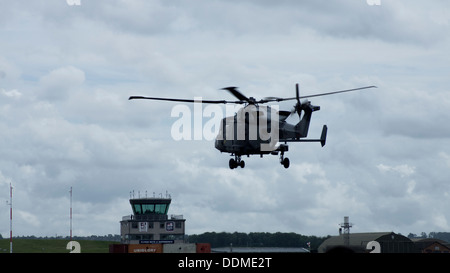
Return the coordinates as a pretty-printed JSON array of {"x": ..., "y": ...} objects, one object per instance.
[
  {"x": 70, "y": 213},
  {"x": 346, "y": 228},
  {"x": 10, "y": 219}
]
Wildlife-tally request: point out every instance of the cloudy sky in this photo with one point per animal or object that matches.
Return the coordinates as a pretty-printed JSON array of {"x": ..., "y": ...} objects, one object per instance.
[{"x": 66, "y": 72}]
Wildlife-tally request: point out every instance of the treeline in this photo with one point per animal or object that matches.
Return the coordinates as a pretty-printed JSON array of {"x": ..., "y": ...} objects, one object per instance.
[
  {"x": 444, "y": 236},
  {"x": 257, "y": 239},
  {"x": 239, "y": 239},
  {"x": 109, "y": 237}
]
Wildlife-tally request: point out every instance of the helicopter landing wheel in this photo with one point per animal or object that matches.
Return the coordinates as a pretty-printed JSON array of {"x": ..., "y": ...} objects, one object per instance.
[
  {"x": 242, "y": 164},
  {"x": 285, "y": 162},
  {"x": 234, "y": 163}
]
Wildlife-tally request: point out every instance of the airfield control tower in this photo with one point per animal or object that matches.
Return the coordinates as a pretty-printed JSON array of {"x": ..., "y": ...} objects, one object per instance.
[{"x": 150, "y": 223}]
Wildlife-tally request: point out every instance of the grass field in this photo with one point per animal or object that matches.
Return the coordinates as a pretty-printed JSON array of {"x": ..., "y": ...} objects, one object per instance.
[{"x": 52, "y": 246}]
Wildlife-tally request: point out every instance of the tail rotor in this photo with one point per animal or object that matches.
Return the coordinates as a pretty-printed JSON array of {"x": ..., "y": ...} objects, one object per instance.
[{"x": 298, "y": 105}]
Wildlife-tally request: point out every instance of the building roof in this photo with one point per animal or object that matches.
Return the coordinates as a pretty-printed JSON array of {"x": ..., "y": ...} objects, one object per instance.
[
  {"x": 428, "y": 240},
  {"x": 424, "y": 243},
  {"x": 358, "y": 240}
]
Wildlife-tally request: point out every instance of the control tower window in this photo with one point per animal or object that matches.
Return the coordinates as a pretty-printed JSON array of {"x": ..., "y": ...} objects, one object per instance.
[
  {"x": 137, "y": 208},
  {"x": 151, "y": 208},
  {"x": 148, "y": 208},
  {"x": 161, "y": 208}
]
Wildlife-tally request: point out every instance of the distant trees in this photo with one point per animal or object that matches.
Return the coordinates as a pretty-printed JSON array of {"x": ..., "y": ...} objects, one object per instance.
[
  {"x": 422, "y": 235},
  {"x": 240, "y": 239},
  {"x": 109, "y": 237},
  {"x": 444, "y": 236},
  {"x": 279, "y": 239},
  {"x": 257, "y": 239}
]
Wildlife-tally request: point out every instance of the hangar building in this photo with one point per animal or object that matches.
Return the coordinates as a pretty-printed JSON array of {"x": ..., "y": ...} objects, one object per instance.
[{"x": 390, "y": 242}]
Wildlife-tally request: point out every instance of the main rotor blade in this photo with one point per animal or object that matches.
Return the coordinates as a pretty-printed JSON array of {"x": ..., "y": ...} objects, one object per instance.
[
  {"x": 184, "y": 100},
  {"x": 233, "y": 90},
  {"x": 316, "y": 95},
  {"x": 243, "y": 99},
  {"x": 337, "y": 92}
]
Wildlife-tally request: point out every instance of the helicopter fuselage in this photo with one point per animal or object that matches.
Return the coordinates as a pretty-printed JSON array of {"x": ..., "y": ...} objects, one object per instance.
[{"x": 260, "y": 130}]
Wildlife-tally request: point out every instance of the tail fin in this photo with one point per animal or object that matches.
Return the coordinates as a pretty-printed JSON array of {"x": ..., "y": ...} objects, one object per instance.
[
  {"x": 302, "y": 127},
  {"x": 323, "y": 137}
]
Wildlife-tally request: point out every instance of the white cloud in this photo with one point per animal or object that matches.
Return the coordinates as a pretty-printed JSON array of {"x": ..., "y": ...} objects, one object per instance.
[
  {"x": 5, "y": 180},
  {"x": 28, "y": 219},
  {"x": 58, "y": 83},
  {"x": 403, "y": 170},
  {"x": 11, "y": 93}
]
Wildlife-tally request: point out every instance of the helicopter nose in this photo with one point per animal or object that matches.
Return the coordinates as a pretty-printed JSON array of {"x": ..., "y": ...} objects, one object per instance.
[{"x": 218, "y": 144}]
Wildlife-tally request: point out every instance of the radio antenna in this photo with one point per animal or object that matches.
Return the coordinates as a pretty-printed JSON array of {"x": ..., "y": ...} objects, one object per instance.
[{"x": 70, "y": 213}]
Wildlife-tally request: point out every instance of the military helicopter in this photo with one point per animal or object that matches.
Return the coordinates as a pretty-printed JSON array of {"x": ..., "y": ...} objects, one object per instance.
[{"x": 258, "y": 129}]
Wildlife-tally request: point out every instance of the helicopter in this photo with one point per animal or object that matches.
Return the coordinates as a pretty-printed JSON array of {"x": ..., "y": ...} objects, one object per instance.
[{"x": 258, "y": 129}]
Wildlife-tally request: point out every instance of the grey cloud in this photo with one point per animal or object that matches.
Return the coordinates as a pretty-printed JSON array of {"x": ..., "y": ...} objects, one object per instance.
[{"x": 58, "y": 83}]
